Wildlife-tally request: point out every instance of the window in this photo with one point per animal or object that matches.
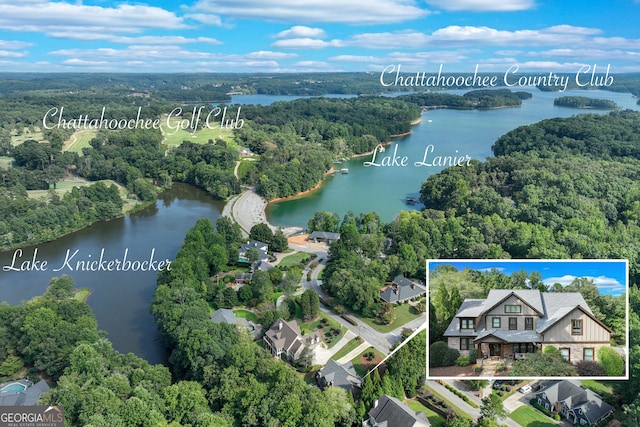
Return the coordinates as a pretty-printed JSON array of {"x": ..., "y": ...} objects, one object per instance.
[
  {"x": 524, "y": 347},
  {"x": 513, "y": 323},
  {"x": 576, "y": 327},
  {"x": 465, "y": 343},
  {"x": 495, "y": 322},
  {"x": 528, "y": 323},
  {"x": 513, "y": 308},
  {"x": 466, "y": 323},
  {"x": 587, "y": 354},
  {"x": 564, "y": 352}
]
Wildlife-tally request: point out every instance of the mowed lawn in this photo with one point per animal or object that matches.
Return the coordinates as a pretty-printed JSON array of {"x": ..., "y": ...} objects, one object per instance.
[
  {"x": 174, "y": 135},
  {"x": 435, "y": 419},
  {"x": 405, "y": 313},
  {"x": 529, "y": 417},
  {"x": 79, "y": 140}
]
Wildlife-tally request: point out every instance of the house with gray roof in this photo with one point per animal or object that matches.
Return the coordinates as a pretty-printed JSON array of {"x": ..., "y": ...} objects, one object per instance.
[
  {"x": 576, "y": 404},
  {"x": 324, "y": 237},
  {"x": 284, "y": 339},
  {"x": 388, "y": 411},
  {"x": 261, "y": 247},
  {"x": 510, "y": 323},
  {"x": 401, "y": 289},
  {"x": 333, "y": 374},
  {"x": 224, "y": 315}
]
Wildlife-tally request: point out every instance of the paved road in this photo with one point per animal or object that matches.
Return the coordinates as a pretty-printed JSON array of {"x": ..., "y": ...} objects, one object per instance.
[{"x": 379, "y": 340}]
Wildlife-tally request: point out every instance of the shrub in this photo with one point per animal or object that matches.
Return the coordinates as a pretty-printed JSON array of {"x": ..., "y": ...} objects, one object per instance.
[
  {"x": 590, "y": 368},
  {"x": 462, "y": 361},
  {"x": 473, "y": 355},
  {"x": 551, "y": 350},
  {"x": 611, "y": 361},
  {"x": 556, "y": 417},
  {"x": 450, "y": 357},
  {"x": 437, "y": 351}
]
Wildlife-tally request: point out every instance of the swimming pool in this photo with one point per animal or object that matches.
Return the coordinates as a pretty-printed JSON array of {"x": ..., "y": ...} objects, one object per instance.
[{"x": 13, "y": 387}]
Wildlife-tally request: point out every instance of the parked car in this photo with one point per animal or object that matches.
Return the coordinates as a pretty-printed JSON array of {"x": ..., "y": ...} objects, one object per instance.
[
  {"x": 497, "y": 384},
  {"x": 525, "y": 389}
]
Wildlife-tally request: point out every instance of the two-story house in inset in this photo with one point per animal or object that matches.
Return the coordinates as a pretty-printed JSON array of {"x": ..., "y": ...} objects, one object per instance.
[{"x": 510, "y": 323}]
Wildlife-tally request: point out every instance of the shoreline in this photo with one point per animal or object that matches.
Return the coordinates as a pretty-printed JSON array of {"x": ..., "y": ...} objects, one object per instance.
[{"x": 248, "y": 208}]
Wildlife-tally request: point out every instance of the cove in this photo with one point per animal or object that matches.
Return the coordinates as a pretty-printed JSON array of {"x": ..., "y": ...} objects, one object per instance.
[
  {"x": 120, "y": 299},
  {"x": 452, "y": 134}
]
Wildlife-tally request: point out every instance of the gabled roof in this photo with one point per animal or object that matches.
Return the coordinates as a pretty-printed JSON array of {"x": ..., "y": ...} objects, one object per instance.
[
  {"x": 560, "y": 307},
  {"x": 530, "y": 297},
  {"x": 401, "y": 289},
  {"x": 324, "y": 235},
  {"x": 224, "y": 315},
  {"x": 390, "y": 412},
  {"x": 337, "y": 375},
  {"x": 577, "y": 398}
]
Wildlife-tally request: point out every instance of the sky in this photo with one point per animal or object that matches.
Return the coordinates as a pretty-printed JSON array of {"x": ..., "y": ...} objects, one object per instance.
[
  {"x": 609, "y": 276},
  {"x": 318, "y": 35}
]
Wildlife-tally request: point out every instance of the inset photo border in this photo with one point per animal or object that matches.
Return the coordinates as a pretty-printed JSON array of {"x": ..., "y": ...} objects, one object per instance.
[{"x": 527, "y": 319}]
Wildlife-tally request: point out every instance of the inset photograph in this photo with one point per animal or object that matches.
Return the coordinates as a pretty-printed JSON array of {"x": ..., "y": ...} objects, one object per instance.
[{"x": 527, "y": 319}]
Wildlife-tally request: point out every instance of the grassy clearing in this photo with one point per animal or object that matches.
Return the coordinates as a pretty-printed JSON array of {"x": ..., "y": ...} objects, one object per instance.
[
  {"x": 295, "y": 259},
  {"x": 246, "y": 314},
  {"x": 347, "y": 348},
  {"x": 529, "y": 417},
  {"x": 36, "y": 135},
  {"x": 405, "y": 313},
  {"x": 79, "y": 140},
  {"x": 63, "y": 187},
  {"x": 435, "y": 419},
  {"x": 5, "y": 162},
  {"x": 174, "y": 138},
  {"x": 82, "y": 294}
]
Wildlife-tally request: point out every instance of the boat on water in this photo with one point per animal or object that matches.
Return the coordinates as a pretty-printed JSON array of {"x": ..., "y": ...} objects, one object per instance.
[{"x": 344, "y": 170}]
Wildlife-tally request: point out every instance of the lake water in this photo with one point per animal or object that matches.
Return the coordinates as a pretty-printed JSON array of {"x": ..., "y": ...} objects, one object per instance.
[
  {"x": 450, "y": 132},
  {"x": 120, "y": 300}
]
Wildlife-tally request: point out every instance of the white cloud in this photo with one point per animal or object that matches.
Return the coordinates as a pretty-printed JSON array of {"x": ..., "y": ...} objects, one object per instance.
[
  {"x": 352, "y": 11},
  {"x": 607, "y": 285},
  {"x": 390, "y": 40},
  {"x": 300, "y": 31},
  {"x": 205, "y": 18},
  {"x": 60, "y": 16},
  {"x": 14, "y": 44},
  {"x": 147, "y": 40},
  {"x": 266, "y": 54},
  {"x": 305, "y": 43},
  {"x": 12, "y": 54},
  {"x": 482, "y": 5}
]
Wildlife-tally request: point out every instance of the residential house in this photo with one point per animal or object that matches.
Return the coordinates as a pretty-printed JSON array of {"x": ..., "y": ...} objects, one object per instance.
[
  {"x": 261, "y": 247},
  {"x": 284, "y": 339},
  {"x": 576, "y": 404},
  {"x": 333, "y": 374},
  {"x": 401, "y": 289},
  {"x": 323, "y": 237},
  {"x": 243, "y": 278},
  {"x": 388, "y": 411},
  {"x": 224, "y": 315},
  {"x": 510, "y": 323}
]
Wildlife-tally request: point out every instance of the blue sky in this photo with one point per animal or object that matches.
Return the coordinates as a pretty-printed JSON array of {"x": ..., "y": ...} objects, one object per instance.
[
  {"x": 318, "y": 35},
  {"x": 609, "y": 276}
]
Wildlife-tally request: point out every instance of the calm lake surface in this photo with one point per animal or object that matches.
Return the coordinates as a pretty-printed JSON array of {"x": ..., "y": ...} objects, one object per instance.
[
  {"x": 450, "y": 132},
  {"x": 120, "y": 300}
]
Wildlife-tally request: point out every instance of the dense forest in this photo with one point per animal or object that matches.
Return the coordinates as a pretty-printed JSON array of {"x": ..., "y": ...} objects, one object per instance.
[
  {"x": 584, "y": 102},
  {"x": 475, "y": 99}
]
